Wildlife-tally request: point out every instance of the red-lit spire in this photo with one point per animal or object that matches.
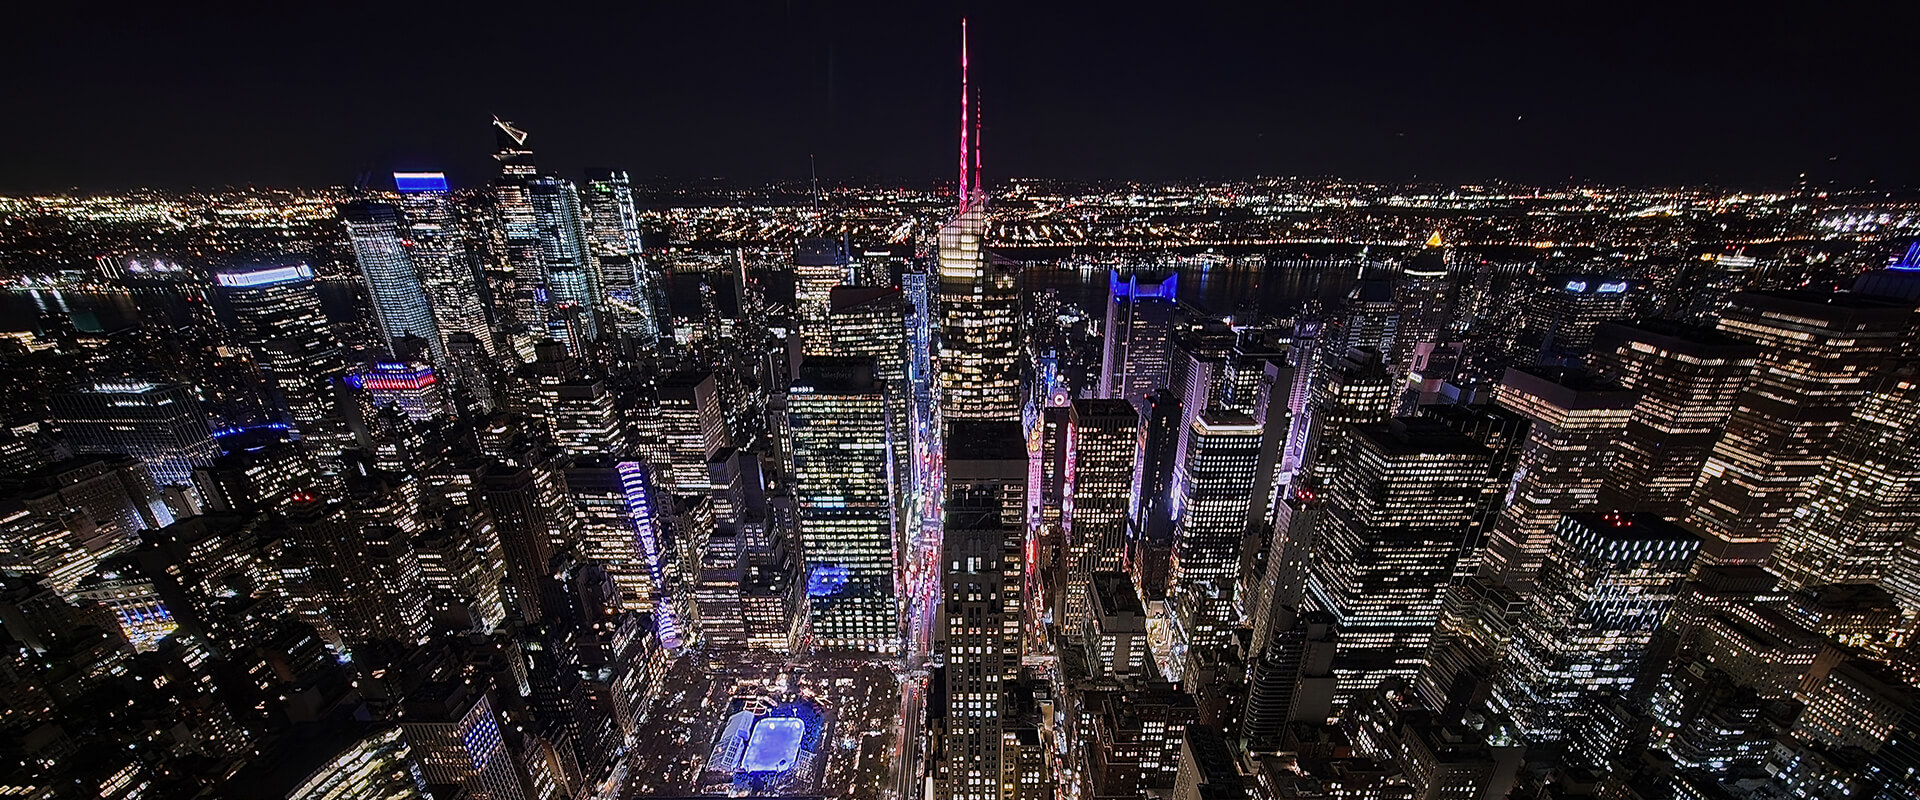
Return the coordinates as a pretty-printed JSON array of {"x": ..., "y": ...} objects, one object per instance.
[{"x": 963, "y": 116}]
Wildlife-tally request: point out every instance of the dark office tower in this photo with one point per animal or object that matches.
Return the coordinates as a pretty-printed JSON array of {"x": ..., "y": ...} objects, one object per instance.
[
  {"x": 393, "y": 279},
  {"x": 1212, "y": 500},
  {"x": 1424, "y": 296},
  {"x": 1201, "y": 370},
  {"x": 277, "y": 310},
  {"x": 972, "y": 638},
  {"x": 159, "y": 423},
  {"x": 440, "y": 250},
  {"x": 1561, "y": 319},
  {"x": 1604, "y": 592},
  {"x": 532, "y": 517},
  {"x": 819, "y": 265},
  {"x": 837, "y": 412},
  {"x": 1860, "y": 508},
  {"x": 1503, "y": 432},
  {"x": 1470, "y": 643},
  {"x": 1293, "y": 680},
  {"x": 1818, "y": 357},
  {"x": 1138, "y": 337},
  {"x": 986, "y": 463},
  {"x": 61, "y": 519},
  {"x": 516, "y": 231},
  {"x": 1576, "y": 423},
  {"x": 1208, "y": 770},
  {"x": 1688, "y": 379},
  {"x": 871, "y": 322},
  {"x": 572, "y": 275},
  {"x": 349, "y": 580},
  {"x": 1150, "y": 547},
  {"x": 1104, "y": 455},
  {"x": 1263, "y": 379},
  {"x": 1354, "y": 389},
  {"x": 1051, "y": 462},
  {"x": 694, "y": 429},
  {"x": 1408, "y": 492},
  {"x": 635, "y": 295}
]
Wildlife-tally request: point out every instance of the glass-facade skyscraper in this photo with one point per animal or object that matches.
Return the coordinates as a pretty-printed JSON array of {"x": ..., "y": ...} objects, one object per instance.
[
  {"x": 393, "y": 279},
  {"x": 439, "y": 248},
  {"x": 843, "y": 489}
]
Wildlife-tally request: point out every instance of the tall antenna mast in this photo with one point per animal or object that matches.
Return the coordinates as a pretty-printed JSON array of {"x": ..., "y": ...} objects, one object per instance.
[
  {"x": 814, "y": 174},
  {"x": 979, "y": 180},
  {"x": 963, "y": 115}
]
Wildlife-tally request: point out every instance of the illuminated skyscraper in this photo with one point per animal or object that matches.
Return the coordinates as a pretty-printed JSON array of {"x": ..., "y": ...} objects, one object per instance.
[
  {"x": 694, "y": 428},
  {"x": 160, "y": 424},
  {"x": 393, "y": 280},
  {"x": 1104, "y": 460},
  {"x": 578, "y": 409},
  {"x": 1860, "y": 508},
  {"x": 1604, "y": 592},
  {"x": 355, "y": 762},
  {"x": 1577, "y": 421},
  {"x": 1561, "y": 319},
  {"x": 635, "y": 297},
  {"x": 1354, "y": 389},
  {"x": 1688, "y": 379},
  {"x": 1818, "y": 356},
  {"x": 837, "y": 412},
  {"x": 516, "y": 233},
  {"x": 359, "y": 581},
  {"x": 571, "y": 275},
  {"x": 1425, "y": 297},
  {"x": 456, "y": 739},
  {"x": 819, "y": 265},
  {"x": 1407, "y": 493},
  {"x": 280, "y": 321},
  {"x": 871, "y": 322},
  {"x": 439, "y": 248},
  {"x": 980, "y": 344},
  {"x": 1213, "y": 498},
  {"x": 1138, "y": 337}
]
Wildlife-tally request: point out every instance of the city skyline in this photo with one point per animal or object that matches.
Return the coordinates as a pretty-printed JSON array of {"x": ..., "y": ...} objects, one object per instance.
[{"x": 547, "y": 483}]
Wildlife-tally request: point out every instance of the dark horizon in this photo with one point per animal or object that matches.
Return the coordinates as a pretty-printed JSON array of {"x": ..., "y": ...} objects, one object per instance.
[{"x": 127, "y": 96}]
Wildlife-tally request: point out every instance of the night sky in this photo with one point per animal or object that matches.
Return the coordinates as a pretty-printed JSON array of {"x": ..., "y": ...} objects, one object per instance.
[{"x": 108, "y": 95}]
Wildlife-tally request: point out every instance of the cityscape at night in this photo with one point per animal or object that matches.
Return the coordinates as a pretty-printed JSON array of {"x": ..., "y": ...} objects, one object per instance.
[{"x": 1403, "y": 471}]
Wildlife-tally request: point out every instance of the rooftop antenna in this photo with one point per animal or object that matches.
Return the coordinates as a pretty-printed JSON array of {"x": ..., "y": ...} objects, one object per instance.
[
  {"x": 963, "y": 115},
  {"x": 979, "y": 180},
  {"x": 815, "y": 174}
]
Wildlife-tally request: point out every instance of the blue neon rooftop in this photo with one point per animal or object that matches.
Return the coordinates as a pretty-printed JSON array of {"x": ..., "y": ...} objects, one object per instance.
[{"x": 410, "y": 182}]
